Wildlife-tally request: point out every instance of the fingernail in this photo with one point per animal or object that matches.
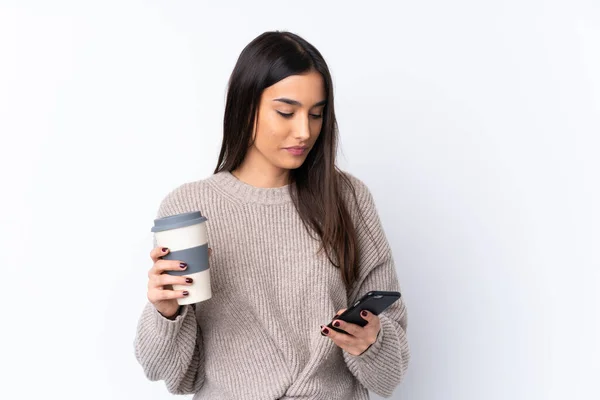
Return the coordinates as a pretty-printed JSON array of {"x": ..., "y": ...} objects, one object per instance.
[
  {"x": 164, "y": 249},
  {"x": 189, "y": 280},
  {"x": 335, "y": 316},
  {"x": 182, "y": 265},
  {"x": 326, "y": 331},
  {"x": 363, "y": 313},
  {"x": 185, "y": 292},
  {"x": 336, "y": 323}
]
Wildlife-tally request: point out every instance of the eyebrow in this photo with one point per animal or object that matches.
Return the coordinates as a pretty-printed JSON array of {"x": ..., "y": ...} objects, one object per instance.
[{"x": 297, "y": 103}]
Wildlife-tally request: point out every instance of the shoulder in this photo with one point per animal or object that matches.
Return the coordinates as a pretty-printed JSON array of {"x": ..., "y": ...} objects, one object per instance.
[
  {"x": 355, "y": 191},
  {"x": 364, "y": 212},
  {"x": 352, "y": 178},
  {"x": 184, "y": 197},
  {"x": 362, "y": 208}
]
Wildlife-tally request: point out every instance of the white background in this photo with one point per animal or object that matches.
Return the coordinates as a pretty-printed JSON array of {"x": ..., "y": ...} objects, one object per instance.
[{"x": 474, "y": 123}]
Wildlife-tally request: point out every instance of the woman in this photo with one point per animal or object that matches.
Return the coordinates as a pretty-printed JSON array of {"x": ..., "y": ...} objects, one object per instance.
[{"x": 293, "y": 240}]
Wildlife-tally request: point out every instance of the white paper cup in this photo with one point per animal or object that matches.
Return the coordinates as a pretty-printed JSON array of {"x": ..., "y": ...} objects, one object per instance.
[{"x": 186, "y": 237}]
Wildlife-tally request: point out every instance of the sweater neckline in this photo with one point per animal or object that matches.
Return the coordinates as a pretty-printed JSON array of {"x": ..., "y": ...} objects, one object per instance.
[{"x": 246, "y": 193}]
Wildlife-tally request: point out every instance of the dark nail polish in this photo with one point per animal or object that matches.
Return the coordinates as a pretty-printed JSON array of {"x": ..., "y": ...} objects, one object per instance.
[
  {"x": 182, "y": 265},
  {"x": 335, "y": 316},
  {"x": 189, "y": 280},
  {"x": 164, "y": 249},
  {"x": 326, "y": 331},
  {"x": 336, "y": 323},
  {"x": 185, "y": 293},
  {"x": 363, "y": 313}
]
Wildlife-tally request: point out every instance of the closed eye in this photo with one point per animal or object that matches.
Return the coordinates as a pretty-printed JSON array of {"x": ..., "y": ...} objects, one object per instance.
[{"x": 284, "y": 115}]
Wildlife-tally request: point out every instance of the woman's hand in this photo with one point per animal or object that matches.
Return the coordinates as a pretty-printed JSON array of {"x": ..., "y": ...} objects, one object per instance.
[
  {"x": 359, "y": 338},
  {"x": 160, "y": 291}
]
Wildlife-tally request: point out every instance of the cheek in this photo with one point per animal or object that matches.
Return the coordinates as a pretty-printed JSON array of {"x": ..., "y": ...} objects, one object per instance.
[
  {"x": 316, "y": 126},
  {"x": 271, "y": 132}
]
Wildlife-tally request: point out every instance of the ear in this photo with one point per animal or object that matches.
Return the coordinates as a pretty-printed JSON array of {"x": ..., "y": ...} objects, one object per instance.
[{"x": 255, "y": 126}]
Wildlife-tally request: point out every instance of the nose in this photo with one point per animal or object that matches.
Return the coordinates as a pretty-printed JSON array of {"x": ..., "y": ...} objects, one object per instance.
[{"x": 302, "y": 130}]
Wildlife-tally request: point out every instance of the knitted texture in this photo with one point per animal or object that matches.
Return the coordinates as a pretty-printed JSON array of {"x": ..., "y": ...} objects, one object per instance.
[{"x": 259, "y": 336}]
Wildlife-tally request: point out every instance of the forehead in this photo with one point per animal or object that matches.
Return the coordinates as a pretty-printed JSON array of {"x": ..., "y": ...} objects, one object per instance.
[{"x": 307, "y": 88}]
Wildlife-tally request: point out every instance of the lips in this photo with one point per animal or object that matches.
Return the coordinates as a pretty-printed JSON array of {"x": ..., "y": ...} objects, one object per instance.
[{"x": 296, "y": 150}]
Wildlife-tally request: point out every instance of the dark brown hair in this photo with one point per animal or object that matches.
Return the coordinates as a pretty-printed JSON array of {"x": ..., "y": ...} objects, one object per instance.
[{"x": 316, "y": 185}]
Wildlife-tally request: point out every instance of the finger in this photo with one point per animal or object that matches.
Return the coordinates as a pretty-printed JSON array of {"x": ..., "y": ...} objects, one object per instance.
[
  {"x": 155, "y": 295},
  {"x": 160, "y": 281},
  {"x": 373, "y": 321},
  {"x": 367, "y": 316},
  {"x": 210, "y": 251},
  {"x": 351, "y": 329},
  {"x": 158, "y": 252},
  {"x": 162, "y": 266},
  {"x": 341, "y": 339},
  {"x": 338, "y": 313}
]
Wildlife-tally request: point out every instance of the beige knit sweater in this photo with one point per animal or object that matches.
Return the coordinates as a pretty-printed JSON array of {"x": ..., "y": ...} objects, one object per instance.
[{"x": 259, "y": 336}]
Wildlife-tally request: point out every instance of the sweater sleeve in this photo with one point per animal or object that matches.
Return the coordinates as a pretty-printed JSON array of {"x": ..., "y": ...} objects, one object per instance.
[
  {"x": 171, "y": 350},
  {"x": 382, "y": 367}
]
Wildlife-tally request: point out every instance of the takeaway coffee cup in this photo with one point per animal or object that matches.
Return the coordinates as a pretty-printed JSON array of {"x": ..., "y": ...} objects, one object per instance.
[{"x": 186, "y": 237}]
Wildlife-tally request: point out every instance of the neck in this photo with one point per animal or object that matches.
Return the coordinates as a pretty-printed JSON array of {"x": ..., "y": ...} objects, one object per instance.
[{"x": 262, "y": 177}]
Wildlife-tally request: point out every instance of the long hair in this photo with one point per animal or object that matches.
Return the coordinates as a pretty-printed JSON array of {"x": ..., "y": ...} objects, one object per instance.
[{"x": 316, "y": 185}]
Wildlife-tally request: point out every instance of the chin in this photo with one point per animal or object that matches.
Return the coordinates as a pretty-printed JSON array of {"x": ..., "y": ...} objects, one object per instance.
[{"x": 291, "y": 164}]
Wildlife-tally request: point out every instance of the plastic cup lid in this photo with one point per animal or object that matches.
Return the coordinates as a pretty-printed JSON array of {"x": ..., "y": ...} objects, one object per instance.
[{"x": 178, "y": 221}]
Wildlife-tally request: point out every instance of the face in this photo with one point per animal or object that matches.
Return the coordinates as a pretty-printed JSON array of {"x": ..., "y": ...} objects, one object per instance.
[{"x": 290, "y": 114}]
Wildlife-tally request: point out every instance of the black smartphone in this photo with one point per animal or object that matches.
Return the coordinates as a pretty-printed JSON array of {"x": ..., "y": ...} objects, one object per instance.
[{"x": 374, "y": 302}]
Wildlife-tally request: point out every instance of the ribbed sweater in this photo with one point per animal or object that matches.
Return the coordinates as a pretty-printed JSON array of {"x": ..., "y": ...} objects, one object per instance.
[{"x": 259, "y": 336}]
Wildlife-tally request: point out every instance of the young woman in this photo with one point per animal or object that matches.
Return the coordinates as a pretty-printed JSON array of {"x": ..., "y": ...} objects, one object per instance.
[{"x": 293, "y": 241}]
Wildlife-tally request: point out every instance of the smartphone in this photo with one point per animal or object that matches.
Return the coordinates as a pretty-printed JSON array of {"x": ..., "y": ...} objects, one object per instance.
[{"x": 374, "y": 302}]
